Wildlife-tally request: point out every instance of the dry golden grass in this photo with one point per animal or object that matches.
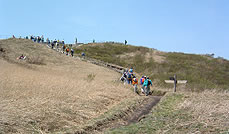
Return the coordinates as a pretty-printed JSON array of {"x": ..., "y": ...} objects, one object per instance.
[
  {"x": 153, "y": 54},
  {"x": 64, "y": 93},
  {"x": 209, "y": 108},
  {"x": 56, "y": 96}
]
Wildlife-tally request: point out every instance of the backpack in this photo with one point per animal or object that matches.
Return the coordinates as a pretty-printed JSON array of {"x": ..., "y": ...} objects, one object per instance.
[
  {"x": 142, "y": 80},
  {"x": 135, "y": 80},
  {"x": 129, "y": 76},
  {"x": 149, "y": 82},
  {"x": 124, "y": 75}
]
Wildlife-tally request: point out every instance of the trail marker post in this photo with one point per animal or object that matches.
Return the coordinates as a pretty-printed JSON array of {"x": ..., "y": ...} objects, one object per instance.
[{"x": 175, "y": 81}]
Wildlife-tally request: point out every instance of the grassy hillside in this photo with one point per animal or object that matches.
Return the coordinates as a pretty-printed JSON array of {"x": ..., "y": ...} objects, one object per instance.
[
  {"x": 59, "y": 95},
  {"x": 201, "y": 71}
]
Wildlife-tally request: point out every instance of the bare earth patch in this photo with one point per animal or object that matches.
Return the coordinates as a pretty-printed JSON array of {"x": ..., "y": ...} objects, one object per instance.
[{"x": 154, "y": 54}]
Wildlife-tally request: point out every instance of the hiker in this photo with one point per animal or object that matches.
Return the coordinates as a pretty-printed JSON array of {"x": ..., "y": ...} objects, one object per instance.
[
  {"x": 48, "y": 41},
  {"x": 124, "y": 76},
  {"x": 63, "y": 47},
  {"x": 135, "y": 84},
  {"x": 22, "y": 57},
  {"x": 55, "y": 41},
  {"x": 83, "y": 54},
  {"x": 141, "y": 83},
  {"x": 52, "y": 44},
  {"x": 57, "y": 45},
  {"x": 34, "y": 39},
  {"x": 146, "y": 85},
  {"x": 42, "y": 39},
  {"x": 72, "y": 52},
  {"x": 76, "y": 41},
  {"x": 129, "y": 76},
  {"x": 38, "y": 39},
  {"x": 67, "y": 50},
  {"x": 125, "y": 42}
]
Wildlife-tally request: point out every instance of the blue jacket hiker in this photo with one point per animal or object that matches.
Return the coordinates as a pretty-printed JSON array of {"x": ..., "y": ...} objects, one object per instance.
[{"x": 146, "y": 86}]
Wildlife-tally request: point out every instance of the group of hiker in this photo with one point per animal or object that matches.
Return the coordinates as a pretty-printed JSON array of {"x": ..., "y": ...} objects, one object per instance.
[
  {"x": 61, "y": 46},
  {"x": 38, "y": 39},
  {"x": 55, "y": 44},
  {"x": 128, "y": 77}
]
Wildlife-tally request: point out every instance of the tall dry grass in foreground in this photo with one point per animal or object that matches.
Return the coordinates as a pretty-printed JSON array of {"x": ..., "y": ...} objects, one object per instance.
[{"x": 209, "y": 107}]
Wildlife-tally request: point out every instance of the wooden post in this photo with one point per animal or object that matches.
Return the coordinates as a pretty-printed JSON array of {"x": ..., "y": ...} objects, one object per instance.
[{"x": 175, "y": 81}]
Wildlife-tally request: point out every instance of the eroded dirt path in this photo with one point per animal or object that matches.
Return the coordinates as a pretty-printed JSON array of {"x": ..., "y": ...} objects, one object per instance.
[
  {"x": 124, "y": 118},
  {"x": 142, "y": 110}
]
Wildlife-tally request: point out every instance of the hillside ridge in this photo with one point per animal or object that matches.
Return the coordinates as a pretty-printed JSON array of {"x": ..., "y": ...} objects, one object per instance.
[{"x": 202, "y": 71}]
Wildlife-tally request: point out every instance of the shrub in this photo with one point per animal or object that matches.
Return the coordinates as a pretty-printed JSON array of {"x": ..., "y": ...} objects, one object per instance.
[
  {"x": 90, "y": 77},
  {"x": 35, "y": 60}
]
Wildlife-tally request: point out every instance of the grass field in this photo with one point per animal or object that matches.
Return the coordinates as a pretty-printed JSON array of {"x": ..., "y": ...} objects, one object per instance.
[{"x": 54, "y": 93}]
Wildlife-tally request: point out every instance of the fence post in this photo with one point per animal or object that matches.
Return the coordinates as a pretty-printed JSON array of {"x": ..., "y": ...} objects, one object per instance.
[{"x": 175, "y": 83}]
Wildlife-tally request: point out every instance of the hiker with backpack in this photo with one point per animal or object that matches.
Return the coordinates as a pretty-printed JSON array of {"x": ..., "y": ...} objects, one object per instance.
[
  {"x": 142, "y": 82},
  {"x": 146, "y": 85},
  {"x": 48, "y": 41},
  {"x": 135, "y": 84},
  {"x": 124, "y": 76},
  {"x": 72, "y": 52},
  {"x": 64, "y": 46},
  {"x": 129, "y": 78},
  {"x": 67, "y": 51},
  {"x": 22, "y": 57},
  {"x": 130, "y": 75},
  {"x": 52, "y": 44},
  {"x": 42, "y": 39},
  {"x": 83, "y": 55}
]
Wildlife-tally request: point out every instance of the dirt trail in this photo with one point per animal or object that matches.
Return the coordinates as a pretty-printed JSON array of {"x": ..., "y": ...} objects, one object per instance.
[
  {"x": 143, "y": 110},
  {"x": 123, "y": 118}
]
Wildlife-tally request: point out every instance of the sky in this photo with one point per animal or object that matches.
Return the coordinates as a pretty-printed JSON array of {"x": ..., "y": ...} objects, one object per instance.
[{"x": 188, "y": 26}]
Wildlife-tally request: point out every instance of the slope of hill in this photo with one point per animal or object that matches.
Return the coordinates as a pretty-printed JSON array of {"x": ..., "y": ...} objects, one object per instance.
[
  {"x": 55, "y": 92},
  {"x": 201, "y": 71}
]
